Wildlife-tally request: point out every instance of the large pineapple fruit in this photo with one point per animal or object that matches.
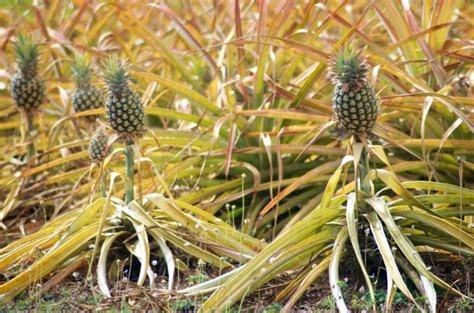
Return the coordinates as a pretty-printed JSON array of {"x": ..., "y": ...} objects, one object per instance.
[
  {"x": 354, "y": 102},
  {"x": 86, "y": 97},
  {"x": 124, "y": 107},
  {"x": 98, "y": 146},
  {"x": 27, "y": 88}
]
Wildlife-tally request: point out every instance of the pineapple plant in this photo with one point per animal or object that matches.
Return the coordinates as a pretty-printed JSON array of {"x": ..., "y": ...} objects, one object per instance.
[
  {"x": 27, "y": 88},
  {"x": 86, "y": 96},
  {"x": 355, "y": 104},
  {"x": 124, "y": 111},
  {"x": 98, "y": 148},
  {"x": 123, "y": 107}
]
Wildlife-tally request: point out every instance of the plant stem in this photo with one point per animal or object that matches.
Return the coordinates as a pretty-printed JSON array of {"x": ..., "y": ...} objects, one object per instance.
[
  {"x": 363, "y": 167},
  {"x": 103, "y": 188},
  {"x": 29, "y": 132},
  {"x": 364, "y": 171},
  {"x": 129, "y": 171}
]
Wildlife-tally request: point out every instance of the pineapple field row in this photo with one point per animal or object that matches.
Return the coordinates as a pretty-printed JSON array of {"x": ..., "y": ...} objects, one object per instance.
[{"x": 237, "y": 156}]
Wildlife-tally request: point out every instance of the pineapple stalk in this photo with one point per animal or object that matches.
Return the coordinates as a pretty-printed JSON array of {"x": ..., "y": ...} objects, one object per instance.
[
  {"x": 103, "y": 186},
  {"x": 129, "y": 196},
  {"x": 364, "y": 171},
  {"x": 30, "y": 129}
]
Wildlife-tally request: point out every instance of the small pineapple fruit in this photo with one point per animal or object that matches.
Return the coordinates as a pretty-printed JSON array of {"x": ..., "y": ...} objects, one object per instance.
[
  {"x": 86, "y": 97},
  {"x": 27, "y": 88},
  {"x": 354, "y": 102},
  {"x": 98, "y": 149},
  {"x": 124, "y": 107}
]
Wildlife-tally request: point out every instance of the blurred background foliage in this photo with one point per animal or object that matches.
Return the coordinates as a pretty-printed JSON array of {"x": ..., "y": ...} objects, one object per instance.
[{"x": 238, "y": 165}]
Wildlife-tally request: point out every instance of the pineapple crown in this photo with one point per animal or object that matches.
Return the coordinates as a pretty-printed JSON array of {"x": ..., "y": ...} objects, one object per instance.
[
  {"x": 27, "y": 55},
  {"x": 349, "y": 67},
  {"x": 116, "y": 75},
  {"x": 82, "y": 71}
]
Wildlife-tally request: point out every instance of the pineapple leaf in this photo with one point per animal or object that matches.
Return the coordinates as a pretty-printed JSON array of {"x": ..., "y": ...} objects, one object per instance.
[
  {"x": 82, "y": 71},
  {"x": 116, "y": 74},
  {"x": 349, "y": 67},
  {"x": 26, "y": 55}
]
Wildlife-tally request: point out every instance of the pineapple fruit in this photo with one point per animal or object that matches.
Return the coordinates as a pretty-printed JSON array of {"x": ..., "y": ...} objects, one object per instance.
[
  {"x": 27, "y": 88},
  {"x": 86, "y": 97},
  {"x": 98, "y": 149},
  {"x": 124, "y": 108},
  {"x": 355, "y": 104}
]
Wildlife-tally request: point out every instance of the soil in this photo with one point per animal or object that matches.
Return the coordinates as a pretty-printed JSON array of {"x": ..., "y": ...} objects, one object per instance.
[
  {"x": 76, "y": 293},
  {"x": 73, "y": 294}
]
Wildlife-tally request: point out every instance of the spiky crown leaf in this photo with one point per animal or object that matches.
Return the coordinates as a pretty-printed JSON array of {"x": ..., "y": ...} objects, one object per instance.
[
  {"x": 82, "y": 71},
  {"x": 116, "y": 75},
  {"x": 349, "y": 67},
  {"x": 27, "y": 55}
]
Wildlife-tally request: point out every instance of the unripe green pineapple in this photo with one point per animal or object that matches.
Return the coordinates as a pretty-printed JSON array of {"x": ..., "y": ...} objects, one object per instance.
[
  {"x": 124, "y": 107},
  {"x": 354, "y": 101},
  {"x": 86, "y": 97},
  {"x": 98, "y": 149},
  {"x": 27, "y": 88}
]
